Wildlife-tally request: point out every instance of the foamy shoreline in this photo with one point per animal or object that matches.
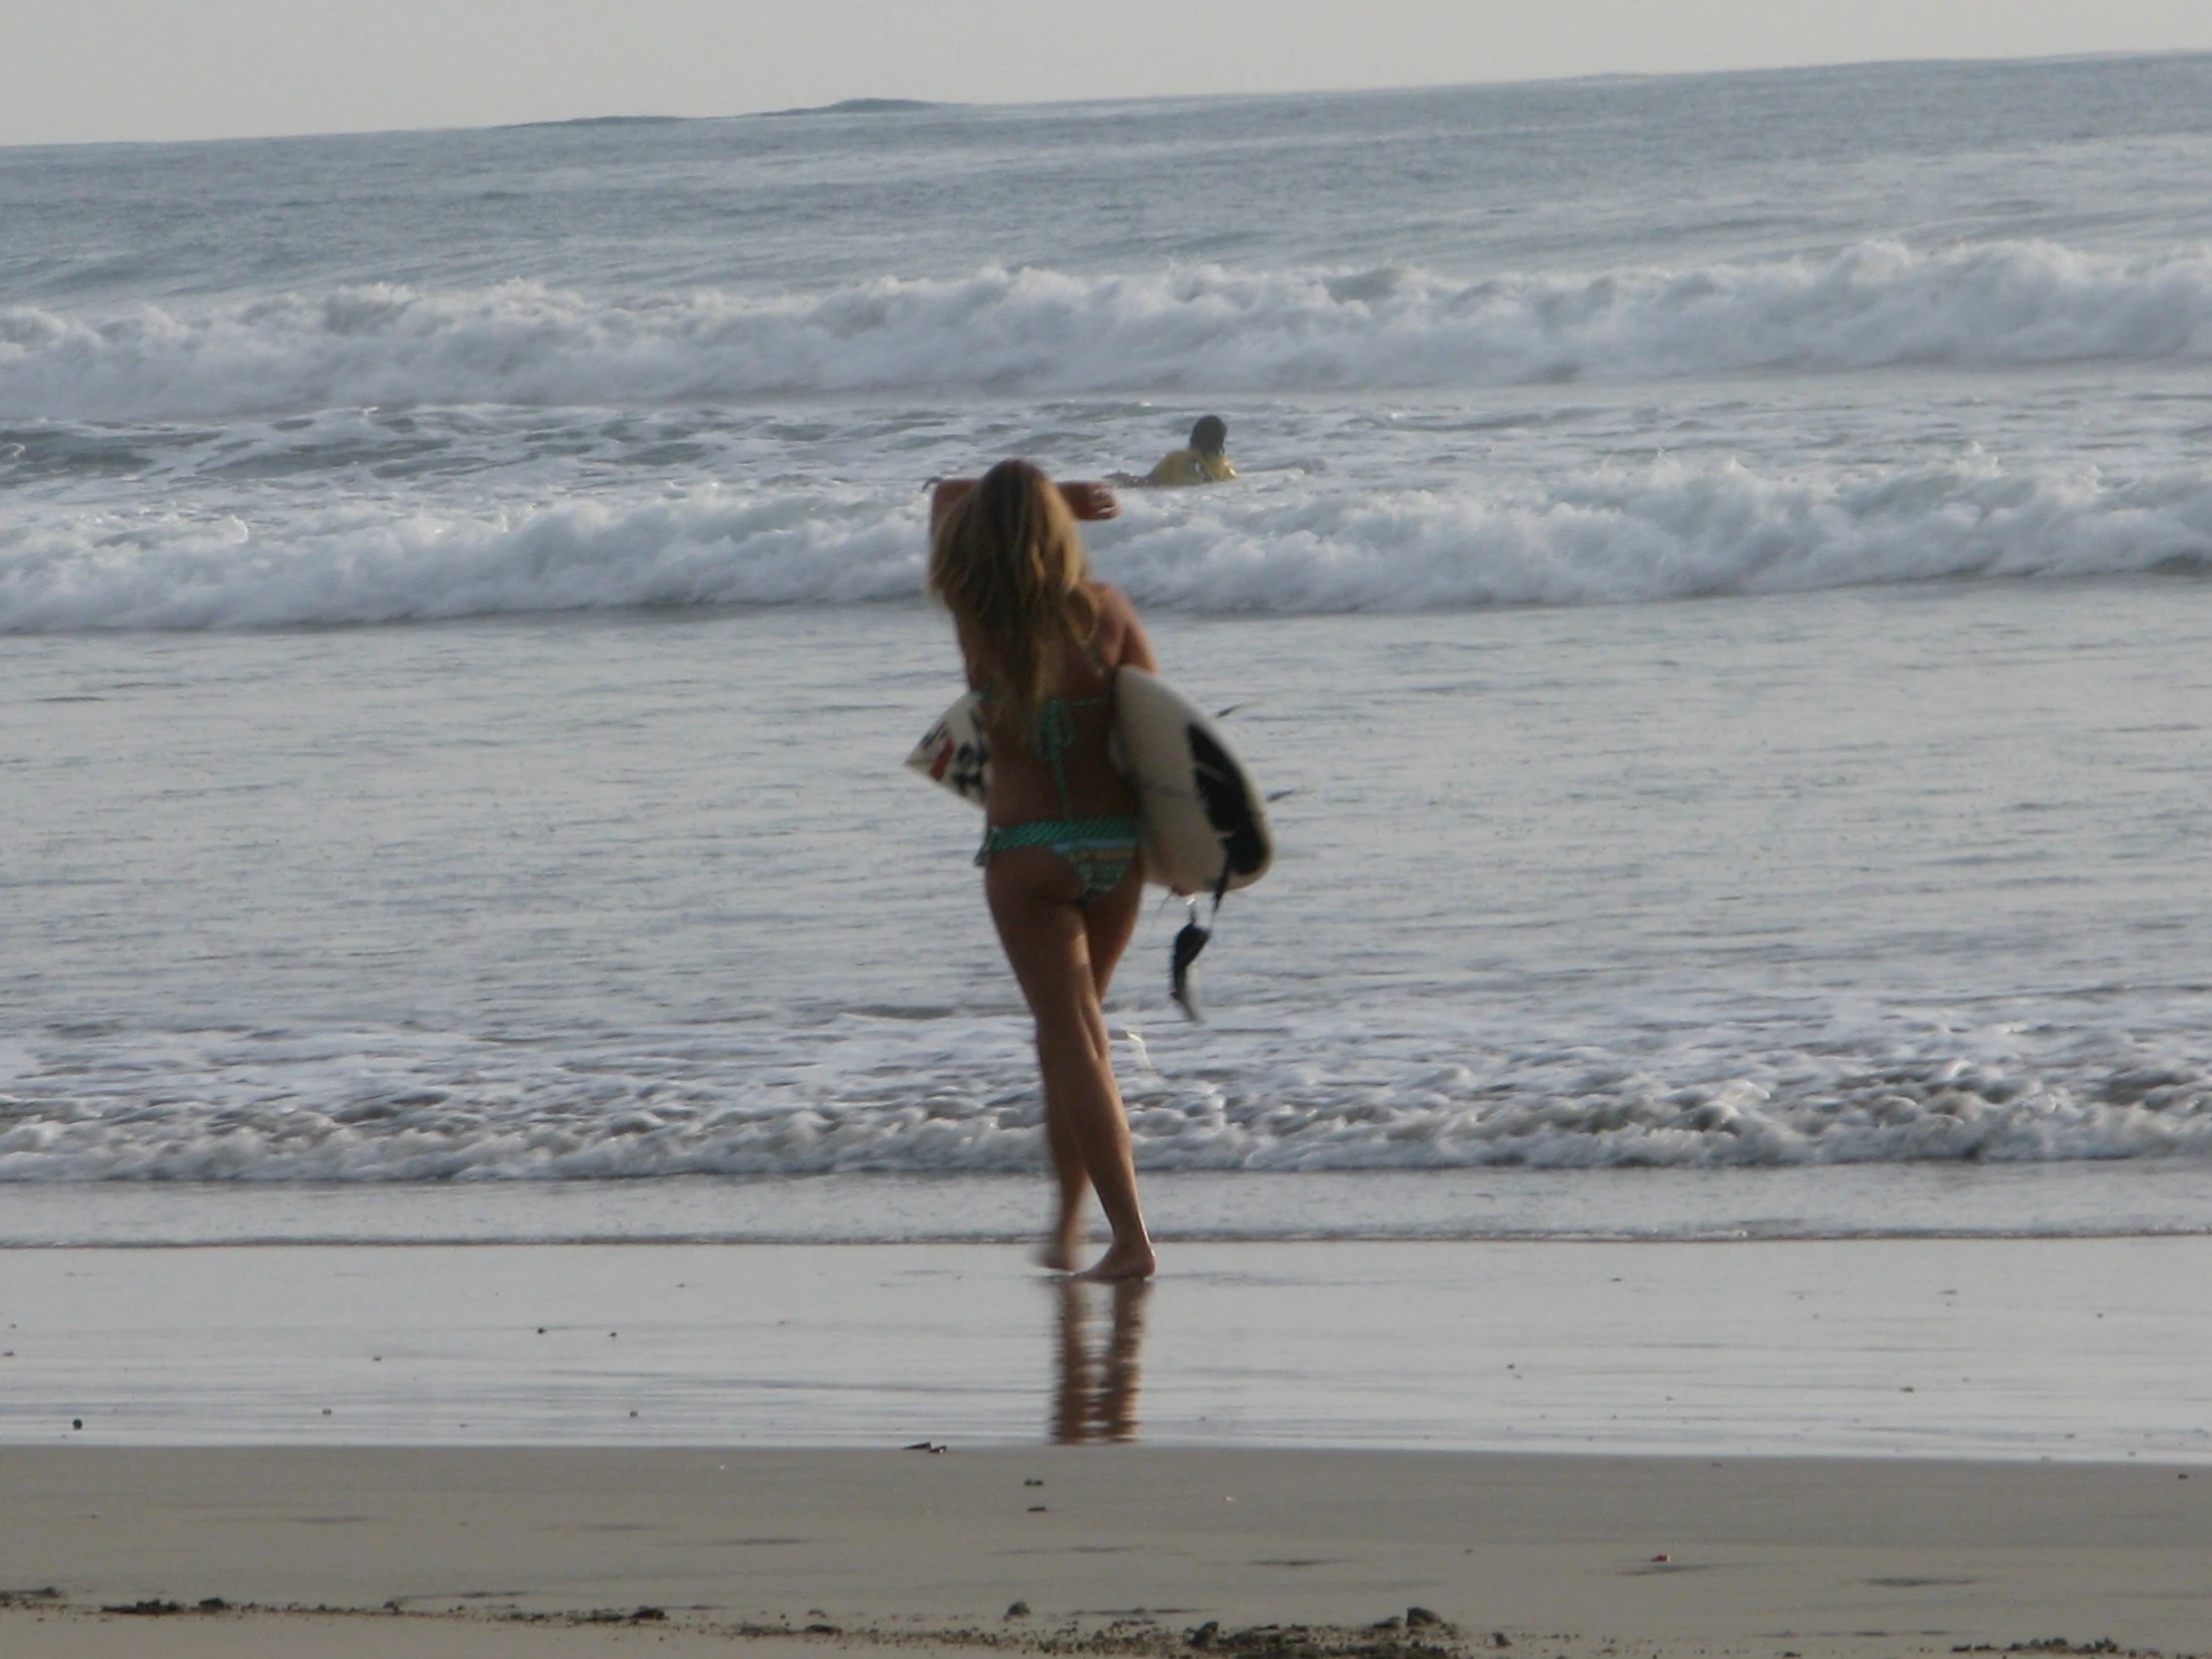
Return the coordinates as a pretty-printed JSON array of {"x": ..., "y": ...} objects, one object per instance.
[{"x": 2076, "y": 1198}]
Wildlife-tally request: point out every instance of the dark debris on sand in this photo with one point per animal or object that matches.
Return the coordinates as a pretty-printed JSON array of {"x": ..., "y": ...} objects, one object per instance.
[
  {"x": 1416, "y": 1634},
  {"x": 2061, "y": 1646},
  {"x": 1393, "y": 1638}
]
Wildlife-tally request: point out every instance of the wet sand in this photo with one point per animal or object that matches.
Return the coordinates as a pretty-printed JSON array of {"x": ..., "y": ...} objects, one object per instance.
[
  {"x": 450, "y": 1551},
  {"x": 2083, "y": 1350},
  {"x": 509, "y": 1450}
]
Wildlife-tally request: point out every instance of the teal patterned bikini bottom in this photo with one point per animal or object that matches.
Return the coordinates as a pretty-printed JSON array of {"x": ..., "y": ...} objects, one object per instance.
[{"x": 1099, "y": 849}]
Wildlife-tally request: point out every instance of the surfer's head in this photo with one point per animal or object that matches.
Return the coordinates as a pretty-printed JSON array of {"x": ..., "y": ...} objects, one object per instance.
[
  {"x": 1007, "y": 562},
  {"x": 1211, "y": 436}
]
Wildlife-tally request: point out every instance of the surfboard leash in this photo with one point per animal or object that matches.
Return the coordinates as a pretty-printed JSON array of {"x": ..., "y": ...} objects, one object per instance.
[{"x": 1188, "y": 944}]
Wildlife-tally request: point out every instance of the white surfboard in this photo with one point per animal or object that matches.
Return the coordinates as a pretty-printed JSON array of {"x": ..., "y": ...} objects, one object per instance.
[
  {"x": 1201, "y": 814},
  {"x": 1204, "y": 817}
]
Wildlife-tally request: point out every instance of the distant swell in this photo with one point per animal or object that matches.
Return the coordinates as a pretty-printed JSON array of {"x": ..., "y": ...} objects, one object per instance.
[
  {"x": 1040, "y": 332},
  {"x": 1669, "y": 530}
]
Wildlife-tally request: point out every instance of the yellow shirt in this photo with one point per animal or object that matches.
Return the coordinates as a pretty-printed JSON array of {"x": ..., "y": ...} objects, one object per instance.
[{"x": 1189, "y": 466}]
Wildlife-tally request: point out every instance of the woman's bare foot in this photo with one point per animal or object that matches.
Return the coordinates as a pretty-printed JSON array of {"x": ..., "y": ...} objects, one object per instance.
[
  {"x": 1123, "y": 1261},
  {"x": 1061, "y": 1246}
]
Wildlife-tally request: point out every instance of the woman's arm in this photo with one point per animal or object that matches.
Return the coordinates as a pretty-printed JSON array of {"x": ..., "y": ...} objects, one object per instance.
[{"x": 1088, "y": 501}]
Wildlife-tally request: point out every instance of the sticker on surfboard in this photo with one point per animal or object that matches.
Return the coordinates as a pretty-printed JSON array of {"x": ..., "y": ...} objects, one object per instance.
[
  {"x": 1201, "y": 814},
  {"x": 956, "y": 753}
]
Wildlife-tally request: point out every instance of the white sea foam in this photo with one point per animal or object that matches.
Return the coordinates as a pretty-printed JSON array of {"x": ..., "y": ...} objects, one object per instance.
[
  {"x": 1040, "y": 332},
  {"x": 1667, "y": 530},
  {"x": 959, "y": 1096},
  {"x": 359, "y": 564}
]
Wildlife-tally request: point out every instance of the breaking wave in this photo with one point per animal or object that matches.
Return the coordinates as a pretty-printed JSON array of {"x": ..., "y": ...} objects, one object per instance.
[
  {"x": 1669, "y": 530},
  {"x": 1044, "y": 333}
]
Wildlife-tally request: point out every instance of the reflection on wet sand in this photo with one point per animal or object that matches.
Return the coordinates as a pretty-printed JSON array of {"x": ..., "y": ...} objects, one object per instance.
[{"x": 1097, "y": 1396}]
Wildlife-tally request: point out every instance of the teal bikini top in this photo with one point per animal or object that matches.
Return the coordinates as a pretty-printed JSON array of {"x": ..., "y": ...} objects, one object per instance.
[{"x": 1055, "y": 734}]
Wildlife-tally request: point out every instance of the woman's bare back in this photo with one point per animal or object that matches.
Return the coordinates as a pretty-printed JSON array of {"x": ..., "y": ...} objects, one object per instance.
[{"x": 1023, "y": 787}]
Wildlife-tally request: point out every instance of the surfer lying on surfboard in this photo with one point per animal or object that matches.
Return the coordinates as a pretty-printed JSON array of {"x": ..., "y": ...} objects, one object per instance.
[
  {"x": 1204, "y": 463},
  {"x": 1041, "y": 640}
]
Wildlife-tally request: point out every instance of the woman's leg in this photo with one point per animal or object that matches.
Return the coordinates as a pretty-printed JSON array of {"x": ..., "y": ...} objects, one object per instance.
[
  {"x": 1108, "y": 926},
  {"x": 1047, "y": 937},
  {"x": 1065, "y": 1241}
]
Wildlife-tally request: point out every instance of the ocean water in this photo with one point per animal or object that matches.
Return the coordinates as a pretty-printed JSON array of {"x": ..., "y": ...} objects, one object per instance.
[{"x": 1721, "y": 572}]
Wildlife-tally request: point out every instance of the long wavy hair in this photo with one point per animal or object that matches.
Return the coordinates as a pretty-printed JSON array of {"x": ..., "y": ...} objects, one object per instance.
[{"x": 1008, "y": 561}]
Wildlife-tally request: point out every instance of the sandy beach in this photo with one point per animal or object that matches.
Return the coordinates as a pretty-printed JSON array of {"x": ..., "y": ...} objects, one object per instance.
[
  {"x": 1322, "y": 1436},
  {"x": 1129, "y": 1549}
]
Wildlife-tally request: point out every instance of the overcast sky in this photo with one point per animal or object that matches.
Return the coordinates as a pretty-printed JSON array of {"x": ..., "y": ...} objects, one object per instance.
[{"x": 91, "y": 70}]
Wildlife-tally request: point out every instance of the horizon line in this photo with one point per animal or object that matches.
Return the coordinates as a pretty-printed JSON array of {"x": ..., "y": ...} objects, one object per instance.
[{"x": 872, "y": 104}]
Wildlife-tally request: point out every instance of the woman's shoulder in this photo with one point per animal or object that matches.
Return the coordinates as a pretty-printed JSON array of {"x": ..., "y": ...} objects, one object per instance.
[
  {"x": 1112, "y": 608},
  {"x": 1119, "y": 637}
]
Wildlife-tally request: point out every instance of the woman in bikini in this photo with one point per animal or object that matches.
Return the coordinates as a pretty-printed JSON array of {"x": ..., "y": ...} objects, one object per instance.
[{"x": 1060, "y": 865}]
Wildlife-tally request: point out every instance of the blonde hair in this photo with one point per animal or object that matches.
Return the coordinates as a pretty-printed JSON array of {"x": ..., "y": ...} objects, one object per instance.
[{"x": 1008, "y": 561}]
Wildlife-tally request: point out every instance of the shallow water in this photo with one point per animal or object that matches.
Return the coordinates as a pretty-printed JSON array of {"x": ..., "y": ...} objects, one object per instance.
[
  {"x": 1871, "y": 877},
  {"x": 1721, "y": 570}
]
